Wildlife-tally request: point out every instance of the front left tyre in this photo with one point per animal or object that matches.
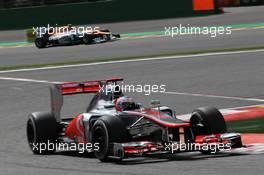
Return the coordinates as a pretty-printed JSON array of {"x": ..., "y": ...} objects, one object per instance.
[{"x": 42, "y": 132}]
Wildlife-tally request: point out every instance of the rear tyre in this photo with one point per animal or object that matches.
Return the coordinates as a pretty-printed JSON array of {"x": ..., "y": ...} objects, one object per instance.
[
  {"x": 40, "y": 43},
  {"x": 207, "y": 120},
  {"x": 105, "y": 131},
  {"x": 42, "y": 132}
]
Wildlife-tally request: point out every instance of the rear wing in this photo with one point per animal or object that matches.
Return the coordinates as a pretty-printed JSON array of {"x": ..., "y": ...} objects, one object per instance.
[{"x": 57, "y": 91}]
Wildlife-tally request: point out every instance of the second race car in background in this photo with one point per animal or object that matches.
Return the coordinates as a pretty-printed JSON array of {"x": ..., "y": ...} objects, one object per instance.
[{"x": 69, "y": 36}]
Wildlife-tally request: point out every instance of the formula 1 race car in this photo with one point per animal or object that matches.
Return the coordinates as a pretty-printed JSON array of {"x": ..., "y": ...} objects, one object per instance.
[
  {"x": 118, "y": 128},
  {"x": 68, "y": 35}
]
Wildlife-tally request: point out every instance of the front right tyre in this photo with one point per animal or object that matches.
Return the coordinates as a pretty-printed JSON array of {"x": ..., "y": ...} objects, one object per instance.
[{"x": 105, "y": 131}]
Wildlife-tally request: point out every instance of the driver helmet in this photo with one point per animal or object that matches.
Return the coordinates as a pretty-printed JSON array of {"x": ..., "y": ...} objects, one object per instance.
[{"x": 125, "y": 104}]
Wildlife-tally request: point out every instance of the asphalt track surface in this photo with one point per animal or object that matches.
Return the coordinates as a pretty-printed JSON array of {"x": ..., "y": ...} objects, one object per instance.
[
  {"x": 238, "y": 75},
  {"x": 231, "y": 75}
]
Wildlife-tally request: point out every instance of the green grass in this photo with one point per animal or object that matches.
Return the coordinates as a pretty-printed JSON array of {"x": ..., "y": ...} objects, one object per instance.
[
  {"x": 95, "y": 60},
  {"x": 15, "y": 43},
  {"x": 247, "y": 126}
]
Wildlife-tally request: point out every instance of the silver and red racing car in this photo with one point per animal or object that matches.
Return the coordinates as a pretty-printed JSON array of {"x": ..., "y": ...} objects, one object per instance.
[{"x": 119, "y": 128}]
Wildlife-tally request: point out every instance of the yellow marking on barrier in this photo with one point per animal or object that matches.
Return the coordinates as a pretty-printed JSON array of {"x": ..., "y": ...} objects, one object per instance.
[
  {"x": 142, "y": 37},
  {"x": 238, "y": 29}
]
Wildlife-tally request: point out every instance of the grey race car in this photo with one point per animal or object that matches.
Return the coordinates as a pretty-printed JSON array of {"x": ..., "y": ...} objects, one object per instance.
[{"x": 68, "y": 35}]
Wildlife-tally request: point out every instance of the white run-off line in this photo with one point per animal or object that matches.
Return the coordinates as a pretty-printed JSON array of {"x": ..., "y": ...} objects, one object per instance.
[
  {"x": 216, "y": 96},
  {"x": 29, "y": 80},
  {"x": 172, "y": 93},
  {"x": 135, "y": 60},
  {"x": 257, "y": 148}
]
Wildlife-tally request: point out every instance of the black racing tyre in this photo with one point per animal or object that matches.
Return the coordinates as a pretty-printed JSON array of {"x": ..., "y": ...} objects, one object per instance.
[
  {"x": 107, "y": 130},
  {"x": 87, "y": 39},
  {"x": 108, "y": 37},
  {"x": 207, "y": 120},
  {"x": 42, "y": 129},
  {"x": 40, "y": 43}
]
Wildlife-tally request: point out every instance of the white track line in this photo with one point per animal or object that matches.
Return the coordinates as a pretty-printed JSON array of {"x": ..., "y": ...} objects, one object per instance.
[
  {"x": 216, "y": 96},
  {"x": 134, "y": 60},
  {"x": 29, "y": 80},
  {"x": 172, "y": 93}
]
